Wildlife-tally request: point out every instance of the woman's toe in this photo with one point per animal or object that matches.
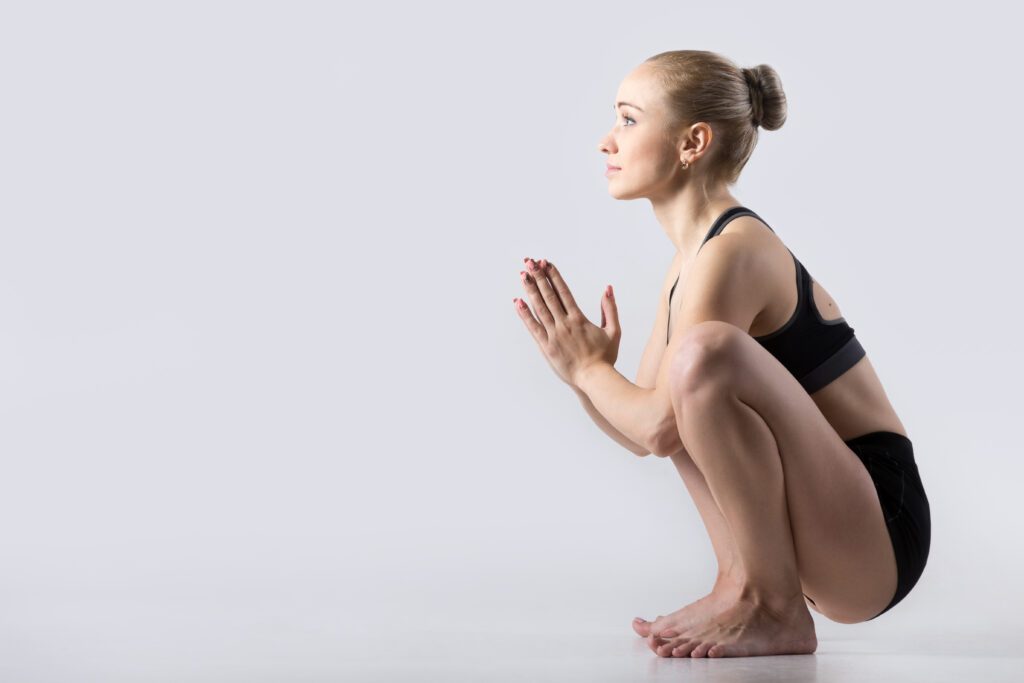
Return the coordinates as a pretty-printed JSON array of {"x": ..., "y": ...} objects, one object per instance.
[{"x": 701, "y": 650}]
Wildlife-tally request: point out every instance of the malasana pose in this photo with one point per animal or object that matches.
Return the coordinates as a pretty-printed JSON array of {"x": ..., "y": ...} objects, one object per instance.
[{"x": 752, "y": 382}]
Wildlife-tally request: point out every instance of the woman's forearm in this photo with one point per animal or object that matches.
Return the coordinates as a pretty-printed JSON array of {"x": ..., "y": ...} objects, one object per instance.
[
  {"x": 607, "y": 427},
  {"x": 640, "y": 414}
]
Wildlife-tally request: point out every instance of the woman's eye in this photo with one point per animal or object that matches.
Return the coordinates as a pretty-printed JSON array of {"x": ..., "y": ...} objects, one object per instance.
[{"x": 626, "y": 118}]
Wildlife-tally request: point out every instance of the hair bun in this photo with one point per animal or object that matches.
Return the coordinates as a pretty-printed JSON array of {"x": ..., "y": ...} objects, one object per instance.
[
  {"x": 767, "y": 99},
  {"x": 756, "y": 95}
]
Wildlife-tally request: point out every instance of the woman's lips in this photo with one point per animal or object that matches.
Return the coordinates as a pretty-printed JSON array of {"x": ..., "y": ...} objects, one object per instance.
[{"x": 612, "y": 169}]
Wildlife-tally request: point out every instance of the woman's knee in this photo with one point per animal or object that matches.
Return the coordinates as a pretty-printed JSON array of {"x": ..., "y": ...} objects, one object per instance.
[{"x": 704, "y": 358}]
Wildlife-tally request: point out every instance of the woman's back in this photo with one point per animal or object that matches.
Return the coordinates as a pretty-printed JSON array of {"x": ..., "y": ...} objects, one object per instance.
[{"x": 854, "y": 402}]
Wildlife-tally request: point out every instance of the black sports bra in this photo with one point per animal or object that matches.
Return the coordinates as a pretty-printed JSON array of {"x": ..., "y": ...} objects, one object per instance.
[{"x": 816, "y": 351}]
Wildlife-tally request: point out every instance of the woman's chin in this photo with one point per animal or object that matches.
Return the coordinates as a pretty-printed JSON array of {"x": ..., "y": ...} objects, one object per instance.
[{"x": 615, "y": 193}]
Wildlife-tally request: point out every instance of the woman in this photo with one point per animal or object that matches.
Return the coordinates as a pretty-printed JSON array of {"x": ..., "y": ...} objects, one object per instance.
[{"x": 752, "y": 381}]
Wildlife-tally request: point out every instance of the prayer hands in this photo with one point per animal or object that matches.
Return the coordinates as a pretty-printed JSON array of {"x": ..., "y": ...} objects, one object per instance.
[{"x": 568, "y": 340}]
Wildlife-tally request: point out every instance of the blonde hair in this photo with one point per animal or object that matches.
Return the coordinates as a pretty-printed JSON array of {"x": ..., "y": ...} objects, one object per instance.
[{"x": 704, "y": 86}]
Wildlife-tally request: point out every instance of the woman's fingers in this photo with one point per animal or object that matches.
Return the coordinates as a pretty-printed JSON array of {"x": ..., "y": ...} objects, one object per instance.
[
  {"x": 548, "y": 292},
  {"x": 534, "y": 327},
  {"x": 559, "y": 285},
  {"x": 537, "y": 299}
]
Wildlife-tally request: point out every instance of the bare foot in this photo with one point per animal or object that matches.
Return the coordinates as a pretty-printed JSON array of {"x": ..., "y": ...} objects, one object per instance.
[
  {"x": 683, "y": 620},
  {"x": 748, "y": 628}
]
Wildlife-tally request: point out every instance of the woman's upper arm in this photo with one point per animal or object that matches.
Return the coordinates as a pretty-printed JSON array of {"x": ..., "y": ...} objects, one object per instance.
[{"x": 651, "y": 358}]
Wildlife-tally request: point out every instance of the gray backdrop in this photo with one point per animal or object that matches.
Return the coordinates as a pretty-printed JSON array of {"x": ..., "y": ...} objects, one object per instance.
[{"x": 267, "y": 407}]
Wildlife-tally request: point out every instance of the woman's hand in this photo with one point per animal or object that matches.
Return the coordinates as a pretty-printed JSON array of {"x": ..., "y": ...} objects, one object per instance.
[{"x": 569, "y": 341}]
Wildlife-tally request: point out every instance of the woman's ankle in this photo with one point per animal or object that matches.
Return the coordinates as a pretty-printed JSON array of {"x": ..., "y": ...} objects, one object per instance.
[{"x": 729, "y": 582}]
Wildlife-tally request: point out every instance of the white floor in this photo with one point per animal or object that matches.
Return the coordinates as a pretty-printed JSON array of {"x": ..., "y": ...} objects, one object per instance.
[
  {"x": 617, "y": 657},
  {"x": 302, "y": 638}
]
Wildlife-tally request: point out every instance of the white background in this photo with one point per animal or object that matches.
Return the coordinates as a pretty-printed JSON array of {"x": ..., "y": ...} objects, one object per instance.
[{"x": 267, "y": 410}]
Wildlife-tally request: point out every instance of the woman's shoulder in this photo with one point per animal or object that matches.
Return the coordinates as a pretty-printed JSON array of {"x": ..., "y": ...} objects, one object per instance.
[
  {"x": 752, "y": 231},
  {"x": 760, "y": 246}
]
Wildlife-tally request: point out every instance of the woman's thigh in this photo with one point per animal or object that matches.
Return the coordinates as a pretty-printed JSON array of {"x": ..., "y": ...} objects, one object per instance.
[{"x": 844, "y": 553}]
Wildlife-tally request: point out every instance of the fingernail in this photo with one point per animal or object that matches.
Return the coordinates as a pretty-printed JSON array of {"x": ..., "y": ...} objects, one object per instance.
[
  {"x": 543, "y": 263},
  {"x": 531, "y": 265}
]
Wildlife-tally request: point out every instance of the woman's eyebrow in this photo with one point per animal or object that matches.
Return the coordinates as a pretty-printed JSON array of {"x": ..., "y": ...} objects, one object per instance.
[{"x": 628, "y": 105}]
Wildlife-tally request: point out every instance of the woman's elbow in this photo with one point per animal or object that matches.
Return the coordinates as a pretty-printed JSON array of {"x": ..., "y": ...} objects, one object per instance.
[{"x": 665, "y": 440}]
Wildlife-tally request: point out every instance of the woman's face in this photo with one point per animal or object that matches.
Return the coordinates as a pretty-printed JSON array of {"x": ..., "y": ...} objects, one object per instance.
[{"x": 639, "y": 143}]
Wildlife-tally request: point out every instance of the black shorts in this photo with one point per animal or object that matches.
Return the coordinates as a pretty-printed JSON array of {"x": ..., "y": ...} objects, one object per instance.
[{"x": 889, "y": 459}]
